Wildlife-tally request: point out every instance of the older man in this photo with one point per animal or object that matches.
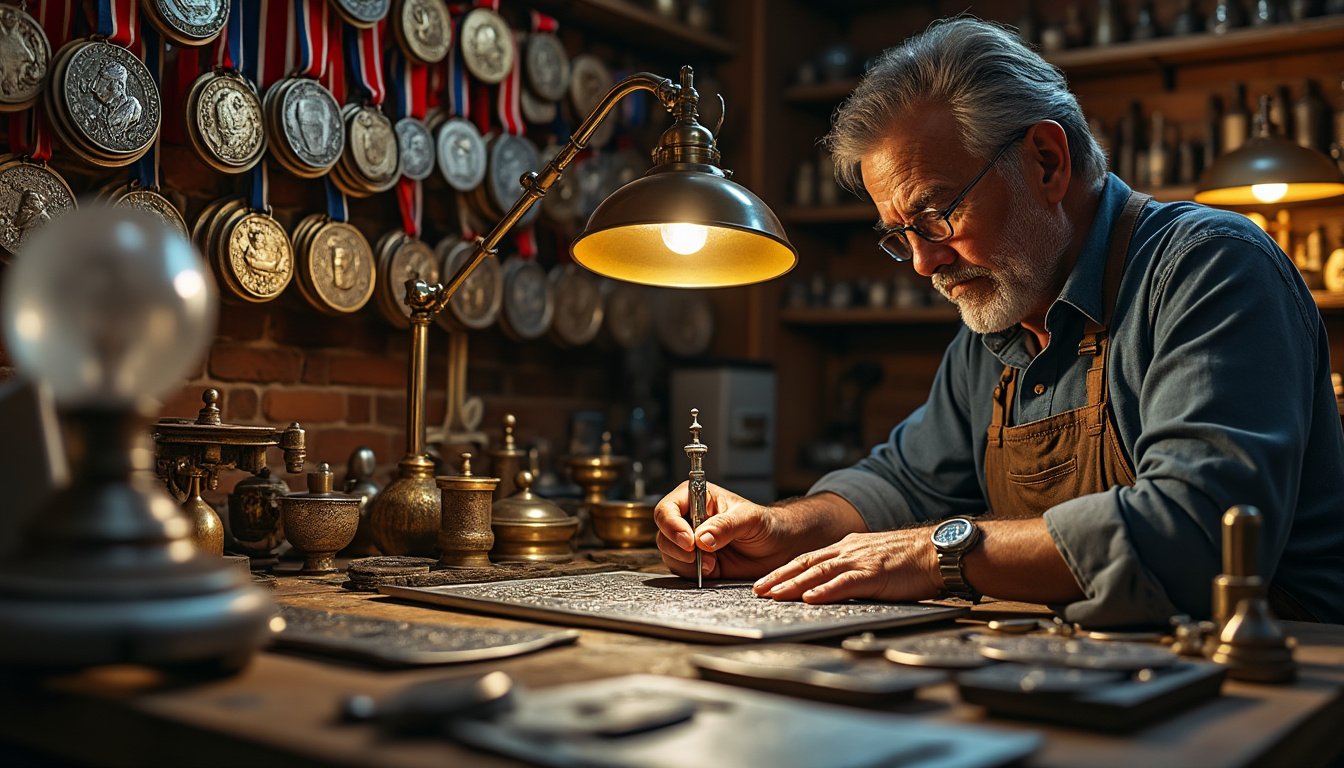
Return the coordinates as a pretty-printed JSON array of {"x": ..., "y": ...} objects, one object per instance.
[{"x": 1128, "y": 370}]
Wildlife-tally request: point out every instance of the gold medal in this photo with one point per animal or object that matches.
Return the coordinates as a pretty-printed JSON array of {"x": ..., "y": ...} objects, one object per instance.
[
  {"x": 336, "y": 268},
  {"x": 401, "y": 258},
  {"x": 260, "y": 258}
]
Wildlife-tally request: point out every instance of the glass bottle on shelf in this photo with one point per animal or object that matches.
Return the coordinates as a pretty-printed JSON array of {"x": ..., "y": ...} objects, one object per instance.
[
  {"x": 1236, "y": 120},
  {"x": 1280, "y": 113},
  {"x": 1227, "y": 15},
  {"x": 1309, "y": 118},
  {"x": 1145, "y": 25},
  {"x": 1187, "y": 21},
  {"x": 1265, "y": 12},
  {"x": 1108, "y": 29}
]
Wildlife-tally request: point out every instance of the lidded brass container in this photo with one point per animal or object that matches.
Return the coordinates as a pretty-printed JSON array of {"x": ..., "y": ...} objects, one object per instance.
[
  {"x": 465, "y": 537},
  {"x": 321, "y": 522},
  {"x": 506, "y": 460},
  {"x": 529, "y": 528},
  {"x": 625, "y": 524},
  {"x": 597, "y": 474},
  {"x": 254, "y": 513}
]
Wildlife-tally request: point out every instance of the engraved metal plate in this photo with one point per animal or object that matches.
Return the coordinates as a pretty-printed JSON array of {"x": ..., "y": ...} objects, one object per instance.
[
  {"x": 312, "y": 125},
  {"x": 424, "y": 29},
  {"x": 415, "y": 149},
  {"x": 578, "y": 304},
  {"x": 811, "y": 672},
  {"x": 545, "y": 66},
  {"x": 111, "y": 99},
  {"x": 362, "y": 13},
  {"x": 227, "y": 119},
  {"x": 487, "y": 45},
  {"x": 684, "y": 322},
  {"x": 1078, "y": 653},
  {"x": 30, "y": 197},
  {"x": 729, "y": 726},
  {"x": 403, "y": 643},
  {"x": 667, "y": 606},
  {"x": 340, "y": 267},
  {"x": 191, "y": 22},
  {"x": 476, "y": 304},
  {"x": 461, "y": 154},
  {"x": 528, "y": 303},
  {"x": 25, "y": 56},
  {"x": 373, "y": 145}
]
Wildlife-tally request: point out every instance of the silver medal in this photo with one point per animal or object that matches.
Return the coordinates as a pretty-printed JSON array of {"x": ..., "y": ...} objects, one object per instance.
[
  {"x": 511, "y": 157},
  {"x": 195, "y": 21},
  {"x": 528, "y": 304},
  {"x": 312, "y": 124},
  {"x": 487, "y": 45},
  {"x": 30, "y": 197},
  {"x": 415, "y": 149},
  {"x": 111, "y": 99},
  {"x": 476, "y": 304},
  {"x": 546, "y": 66},
  {"x": 25, "y": 56},
  {"x": 362, "y": 13},
  {"x": 461, "y": 154},
  {"x": 228, "y": 120}
]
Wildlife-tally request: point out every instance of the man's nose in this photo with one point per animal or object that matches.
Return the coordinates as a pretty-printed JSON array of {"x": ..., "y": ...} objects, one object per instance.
[{"x": 927, "y": 257}]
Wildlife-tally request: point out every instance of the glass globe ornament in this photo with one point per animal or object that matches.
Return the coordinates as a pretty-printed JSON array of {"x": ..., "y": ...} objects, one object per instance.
[{"x": 110, "y": 308}]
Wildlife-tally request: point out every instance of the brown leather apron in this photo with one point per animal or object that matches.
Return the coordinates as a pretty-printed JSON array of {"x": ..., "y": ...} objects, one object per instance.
[{"x": 1031, "y": 467}]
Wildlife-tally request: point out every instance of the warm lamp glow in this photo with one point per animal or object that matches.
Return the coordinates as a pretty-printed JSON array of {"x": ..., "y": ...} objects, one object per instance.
[
  {"x": 1269, "y": 193},
  {"x": 685, "y": 239}
]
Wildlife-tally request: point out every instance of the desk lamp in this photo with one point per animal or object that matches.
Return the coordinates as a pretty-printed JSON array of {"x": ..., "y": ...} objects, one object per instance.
[
  {"x": 1269, "y": 170},
  {"x": 683, "y": 224}
]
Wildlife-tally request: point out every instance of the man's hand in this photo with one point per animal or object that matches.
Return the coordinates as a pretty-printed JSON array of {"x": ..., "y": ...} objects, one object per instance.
[
  {"x": 896, "y": 565},
  {"x": 743, "y": 540}
]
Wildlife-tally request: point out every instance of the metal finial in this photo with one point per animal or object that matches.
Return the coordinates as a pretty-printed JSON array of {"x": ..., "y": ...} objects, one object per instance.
[
  {"x": 209, "y": 413},
  {"x": 606, "y": 443},
  {"x": 695, "y": 425},
  {"x": 509, "y": 423},
  {"x": 466, "y": 464}
]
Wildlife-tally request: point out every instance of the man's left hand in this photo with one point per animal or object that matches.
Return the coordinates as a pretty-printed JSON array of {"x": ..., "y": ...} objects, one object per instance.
[{"x": 896, "y": 565}]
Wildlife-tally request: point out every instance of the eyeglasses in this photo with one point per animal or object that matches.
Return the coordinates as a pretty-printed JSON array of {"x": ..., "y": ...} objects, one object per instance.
[{"x": 933, "y": 225}]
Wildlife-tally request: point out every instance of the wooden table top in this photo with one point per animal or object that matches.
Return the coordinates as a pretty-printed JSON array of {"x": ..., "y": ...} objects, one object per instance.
[{"x": 282, "y": 709}]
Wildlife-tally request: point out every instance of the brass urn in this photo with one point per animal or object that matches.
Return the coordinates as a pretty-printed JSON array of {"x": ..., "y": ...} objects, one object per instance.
[{"x": 321, "y": 522}]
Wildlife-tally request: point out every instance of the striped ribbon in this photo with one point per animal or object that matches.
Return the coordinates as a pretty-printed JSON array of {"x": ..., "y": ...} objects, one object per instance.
[
  {"x": 117, "y": 21},
  {"x": 364, "y": 50}
]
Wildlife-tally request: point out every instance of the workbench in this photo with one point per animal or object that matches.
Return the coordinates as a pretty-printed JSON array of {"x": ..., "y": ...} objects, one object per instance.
[{"x": 283, "y": 709}]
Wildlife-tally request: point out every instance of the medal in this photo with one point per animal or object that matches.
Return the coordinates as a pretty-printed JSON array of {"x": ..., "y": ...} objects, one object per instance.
[
  {"x": 335, "y": 265},
  {"x": 260, "y": 258},
  {"x": 370, "y": 160},
  {"x": 537, "y": 110},
  {"x": 424, "y": 29},
  {"x": 106, "y": 106},
  {"x": 589, "y": 82},
  {"x": 415, "y": 148},
  {"x": 402, "y": 257},
  {"x": 305, "y": 127},
  {"x": 528, "y": 304},
  {"x": 561, "y": 203},
  {"x": 629, "y": 314},
  {"x": 545, "y": 66},
  {"x": 578, "y": 305},
  {"x": 476, "y": 304},
  {"x": 487, "y": 45},
  {"x": 224, "y": 121},
  {"x": 31, "y": 196},
  {"x": 25, "y": 56},
  {"x": 508, "y": 158},
  {"x": 684, "y": 322},
  {"x": 150, "y": 201},
  {"x": 187, "y": 22},
  {"x": 461, "y": 154},
  {"x": 415, "y": 142},
  {"x": 362, "y": 13}
]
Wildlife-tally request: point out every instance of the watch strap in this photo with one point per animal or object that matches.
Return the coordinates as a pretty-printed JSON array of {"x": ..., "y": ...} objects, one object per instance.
[{"x": 950, "y": 567}]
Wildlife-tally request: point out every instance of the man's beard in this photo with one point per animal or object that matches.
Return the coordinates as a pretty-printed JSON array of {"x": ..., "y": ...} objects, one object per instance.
[{"x": 1026, "y": 268}]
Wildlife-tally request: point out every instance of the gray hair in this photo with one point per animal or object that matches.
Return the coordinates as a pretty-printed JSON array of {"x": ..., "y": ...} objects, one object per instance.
[{"x": 994, "y": 84}]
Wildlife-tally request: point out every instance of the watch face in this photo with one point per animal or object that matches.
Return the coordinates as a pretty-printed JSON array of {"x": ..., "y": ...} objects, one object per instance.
[{"x": 952, "y": 533}]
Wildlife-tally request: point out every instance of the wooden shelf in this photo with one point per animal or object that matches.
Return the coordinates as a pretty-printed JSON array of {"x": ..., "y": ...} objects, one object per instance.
[
  {"x": 634, "y": 25},
  {"x": 821, "y": 316},
  {"x": 1310, "y": 34},
  {"x": 844, "y": 213}
]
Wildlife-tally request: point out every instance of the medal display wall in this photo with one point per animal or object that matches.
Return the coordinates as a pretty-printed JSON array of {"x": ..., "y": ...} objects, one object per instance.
[{"x": 312, "y": 324}]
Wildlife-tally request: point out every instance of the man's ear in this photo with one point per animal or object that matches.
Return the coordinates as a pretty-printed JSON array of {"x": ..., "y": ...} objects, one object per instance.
[{"x": 1048, "y": 160}]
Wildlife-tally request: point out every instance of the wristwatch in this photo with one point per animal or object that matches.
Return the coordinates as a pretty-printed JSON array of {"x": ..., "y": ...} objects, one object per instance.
[{"x": 952, "y": 539}]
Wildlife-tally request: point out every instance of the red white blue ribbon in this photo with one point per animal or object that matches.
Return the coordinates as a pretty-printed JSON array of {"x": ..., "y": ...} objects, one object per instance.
[
  {"x": 117, "y": 21},
  {"x": 364, "y": 51}
]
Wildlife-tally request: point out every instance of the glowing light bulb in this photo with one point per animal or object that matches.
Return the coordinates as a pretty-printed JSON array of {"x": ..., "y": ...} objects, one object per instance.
[
  {"x": 1269, "y": 193},
  {"x": 684, "y": 238}
]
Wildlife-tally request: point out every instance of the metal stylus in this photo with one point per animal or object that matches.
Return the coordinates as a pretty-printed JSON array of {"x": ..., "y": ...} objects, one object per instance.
[{"x": 695, "y": 451}]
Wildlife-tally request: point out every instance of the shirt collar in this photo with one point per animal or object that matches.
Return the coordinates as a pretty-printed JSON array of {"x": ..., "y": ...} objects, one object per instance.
[{"x": 1082, "y": 290}]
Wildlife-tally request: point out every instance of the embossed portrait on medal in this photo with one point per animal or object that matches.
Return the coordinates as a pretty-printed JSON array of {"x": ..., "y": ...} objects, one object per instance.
[
  {"x": 427, "y": 26},
  {"x": 260, "y": 253},
  {"x": 24, "y": 55},
  {"x": 119, "y": 110},
  {"x": 345, "y": 264},
  {"x": 192, "y": 11},
  {"x": 486, "y": 46}
]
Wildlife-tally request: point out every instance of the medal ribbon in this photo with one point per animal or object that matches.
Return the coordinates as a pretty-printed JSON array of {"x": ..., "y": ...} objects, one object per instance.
[
  {"x": 145, "y": 171},
  {"x": 338, "y": 206},
  {"x": 411, "y": 201},
  {"x": 459, "y": 93},
  {"x": 543, "y": 23},
  {"x": 410, "y": 84},
  {"x": 509, "y": 101},
  {"x": 229, "y": 44},
  {"x": 364, "y": 50},
  {"x": 259, "y": 188},
  {"x": 312, "y": 37},
  {"x": 273, "y": 58},
  {"x": 334, "y": 79},
  {"x": 29, "y": 134},
  {"x": 434, "y": 87},
  {"x": 117, "y": 21}
]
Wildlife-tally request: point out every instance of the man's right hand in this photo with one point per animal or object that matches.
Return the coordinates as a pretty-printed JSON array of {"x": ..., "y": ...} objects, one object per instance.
[{"x": 744, "y": 540}]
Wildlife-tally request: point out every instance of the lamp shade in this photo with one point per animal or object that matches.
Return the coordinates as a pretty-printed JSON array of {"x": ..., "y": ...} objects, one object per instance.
[
  {"x": 1268, "y": 169},
  {"x": 685, "y": 225}
]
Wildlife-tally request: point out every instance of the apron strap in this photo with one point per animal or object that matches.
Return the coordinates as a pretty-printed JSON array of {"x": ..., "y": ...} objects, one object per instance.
[
  {"x": 1003, "y": 393},
  {"x": 1096, "y": 338}
]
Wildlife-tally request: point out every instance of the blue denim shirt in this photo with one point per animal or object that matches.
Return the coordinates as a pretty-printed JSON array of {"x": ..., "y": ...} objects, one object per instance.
[{"x": 1219, "y": 377}]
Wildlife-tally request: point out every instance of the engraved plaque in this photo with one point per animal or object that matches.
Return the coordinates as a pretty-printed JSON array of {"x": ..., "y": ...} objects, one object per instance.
[
  {"x": 30, "y": 197},
  {"x": 667, "y": 606},
  {"x": 111, "y": 99},
  {"x": 25, "y": 55},
  {"x": 399, "y": 642}
]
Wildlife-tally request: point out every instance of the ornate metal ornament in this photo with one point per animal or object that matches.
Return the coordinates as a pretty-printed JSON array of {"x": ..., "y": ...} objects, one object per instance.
[
  {"x": 424, "y": 30},
  {"x": 476, "y": 304},
  {"x": 224, "y": 121},
  {"x": 545, "y": 66},
  {"x": 335, "y": 265},
  {"x": 188, "y": 22},
  {"x": 667, "y": 606},
  {"x": 415, "y": 149},
  {"x": 578, "y": 304},
  {"x": 528, "y": 302},
  {"x": 362, "y": 13},
  {"x": 31, "y": 196},
  {"x": 487, "y": 45},
  {"x": 25, "y": 57},
  {"x": 461, "y": 154}
]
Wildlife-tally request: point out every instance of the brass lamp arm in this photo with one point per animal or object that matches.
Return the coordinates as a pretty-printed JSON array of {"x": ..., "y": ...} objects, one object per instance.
[{"x": 680, "y": 99}]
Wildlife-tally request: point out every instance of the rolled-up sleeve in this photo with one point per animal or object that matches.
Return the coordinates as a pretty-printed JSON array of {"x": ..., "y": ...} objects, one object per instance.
[{"x": 1225, "y": 365}]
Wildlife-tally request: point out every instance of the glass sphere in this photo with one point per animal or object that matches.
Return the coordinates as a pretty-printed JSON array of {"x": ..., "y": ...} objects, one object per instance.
[{"x": 109, "y": 307}]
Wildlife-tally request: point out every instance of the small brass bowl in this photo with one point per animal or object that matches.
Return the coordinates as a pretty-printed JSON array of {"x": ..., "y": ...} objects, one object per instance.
[{"x": 625, "y": 524}]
